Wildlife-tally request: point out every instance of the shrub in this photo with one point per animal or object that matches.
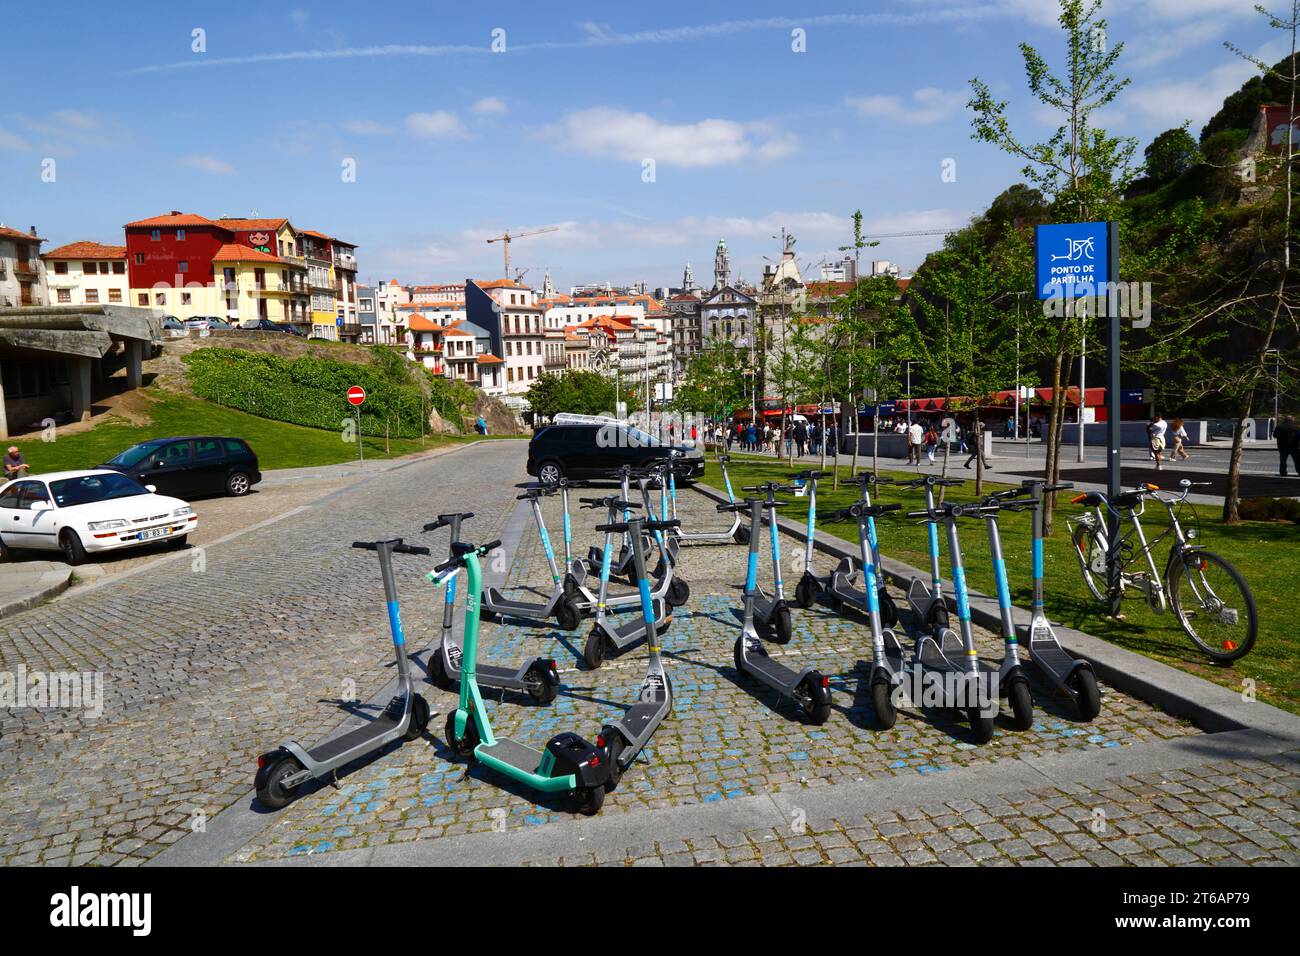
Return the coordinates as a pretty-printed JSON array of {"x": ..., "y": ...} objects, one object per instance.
[{"x": 1270, "y": 509}]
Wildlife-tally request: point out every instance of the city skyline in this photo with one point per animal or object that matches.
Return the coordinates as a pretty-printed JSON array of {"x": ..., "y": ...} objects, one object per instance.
[{"x": 452, "y": 142}]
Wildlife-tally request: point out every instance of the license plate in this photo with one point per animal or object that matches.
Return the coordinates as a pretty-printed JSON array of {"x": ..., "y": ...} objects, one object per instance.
[{"x": 152, "y": 533}]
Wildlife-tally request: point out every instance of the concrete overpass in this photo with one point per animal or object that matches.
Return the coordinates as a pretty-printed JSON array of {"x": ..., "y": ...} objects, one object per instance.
[{"x": 49, "y": 356}]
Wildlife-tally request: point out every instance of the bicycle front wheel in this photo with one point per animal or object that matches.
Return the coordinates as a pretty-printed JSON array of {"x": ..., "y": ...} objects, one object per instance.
[
  {"x": 1213, "y": 603},
  {"x": 1090, "y": 549}
]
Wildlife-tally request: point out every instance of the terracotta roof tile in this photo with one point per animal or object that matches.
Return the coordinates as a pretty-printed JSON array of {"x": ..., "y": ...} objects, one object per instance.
[
  {"x": 233, "y": 252},
  {"x": 86, "y": 250},
  {"x": 174, "y": 219}
]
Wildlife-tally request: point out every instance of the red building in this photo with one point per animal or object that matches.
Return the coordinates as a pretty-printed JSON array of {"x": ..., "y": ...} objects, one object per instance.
[{"x": 165, "y": 254}]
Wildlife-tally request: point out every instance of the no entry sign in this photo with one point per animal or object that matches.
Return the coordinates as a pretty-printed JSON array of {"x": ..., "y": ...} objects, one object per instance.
[{"x": 356, "y": 395}]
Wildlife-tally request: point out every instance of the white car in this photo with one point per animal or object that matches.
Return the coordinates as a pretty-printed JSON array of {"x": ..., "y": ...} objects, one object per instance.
[{"x": 86, "y": 512}]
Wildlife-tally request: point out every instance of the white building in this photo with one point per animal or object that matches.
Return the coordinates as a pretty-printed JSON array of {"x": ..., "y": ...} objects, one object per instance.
[
  {"x": 22, "y": 273},
  {"x": 387, "y": 298},
  {"x": 87, "y": 273}
]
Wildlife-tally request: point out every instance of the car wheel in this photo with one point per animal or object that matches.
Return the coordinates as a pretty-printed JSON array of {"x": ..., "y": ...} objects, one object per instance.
[
  {"x": 6, "y": 552},
  {"x": 178, "y": 542},
  {"x": 238, "y": 484},
  {"x": 550, "y": 473},
  {"x": 73, "y": 552}
]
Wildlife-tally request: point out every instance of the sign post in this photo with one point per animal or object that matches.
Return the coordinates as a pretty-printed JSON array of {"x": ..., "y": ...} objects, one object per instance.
[
  {"x": 1073, "y": 260},
  {"x": 356, "y": 398}
]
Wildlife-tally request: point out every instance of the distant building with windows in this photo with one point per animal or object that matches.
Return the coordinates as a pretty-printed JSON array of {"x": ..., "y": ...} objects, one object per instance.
[
  {"x": 87, "y": 273},
  {"x": 22, "y": 273}
]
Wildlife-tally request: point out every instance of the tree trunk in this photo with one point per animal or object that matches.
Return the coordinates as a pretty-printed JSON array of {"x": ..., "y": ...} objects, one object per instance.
[
  {"x": 1053, "y": 469},
  {"x": 979, "y": 456}
]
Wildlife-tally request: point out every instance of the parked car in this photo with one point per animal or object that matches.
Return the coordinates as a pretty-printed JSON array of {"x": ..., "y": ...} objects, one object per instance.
[
  {"x": 198, "y": 323},
  {"x": 218, "y": 324},
  {"x": 86, "y": 512},
  {"x": 592, "y": 449},
  {"x": 196, "y": 465},
  {"x": 174, "y": 328},
  {"x": 266, "y": 325}
]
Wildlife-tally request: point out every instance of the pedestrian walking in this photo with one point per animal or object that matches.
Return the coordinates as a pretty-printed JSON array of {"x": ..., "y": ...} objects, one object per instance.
[
  {"x": 1156, "y": 429},
  {"x": 1287, "y": 435},
  {"x": 977, "y": 436},
  {"x": 915, "y": 439},
  {"x": 800, "y": 437},
  {"x": 931, "y": 441},
  {"x": 1179, "y": 435}
]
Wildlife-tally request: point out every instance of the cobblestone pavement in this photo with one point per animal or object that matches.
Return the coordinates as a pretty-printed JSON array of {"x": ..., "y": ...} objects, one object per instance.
[
  {"x": 207, "y": 670},
  {"x": 1224, "y": 813}
]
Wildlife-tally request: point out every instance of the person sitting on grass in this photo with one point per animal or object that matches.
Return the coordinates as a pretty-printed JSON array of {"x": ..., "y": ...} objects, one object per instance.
[{"x": 15, "y": 464}]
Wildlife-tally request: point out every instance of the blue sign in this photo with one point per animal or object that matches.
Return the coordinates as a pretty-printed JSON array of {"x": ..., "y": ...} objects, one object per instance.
[
  {"x": 1071, "y": 259},
  {"x": 1131, "y": 396}
]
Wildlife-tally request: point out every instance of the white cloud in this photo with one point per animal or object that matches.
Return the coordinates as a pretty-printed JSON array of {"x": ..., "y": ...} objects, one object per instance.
[
  {"x": 1164, "y": 43},
  {"x": 440, "y": 124},
  {"x": 491, "y": 104},
  {"x": 607, "y": 131},
  {"x": 930, "y": 104},
  {"x": 366, "y": 127},
  {"x": 1172, "y": 102},
  {"x": 300, "y": 19},
  {"x": 207, "y": 164},
  {"x": 10, "y": 140}
]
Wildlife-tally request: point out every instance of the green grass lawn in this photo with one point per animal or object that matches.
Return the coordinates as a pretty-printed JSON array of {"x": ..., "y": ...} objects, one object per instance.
[
  {"x": 1267, "y": 554},
  {"x": 278, "y": 444}
]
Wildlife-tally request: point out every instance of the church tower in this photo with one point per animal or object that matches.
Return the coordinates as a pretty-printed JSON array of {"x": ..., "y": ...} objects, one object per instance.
[
  {"x": 721, "y": 266},
  {"x": 548, "y": 287},
  {"x": 688, "y": 279}
]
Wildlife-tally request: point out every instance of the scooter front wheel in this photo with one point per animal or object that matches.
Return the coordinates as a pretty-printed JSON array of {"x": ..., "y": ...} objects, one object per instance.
[
  {"x": 1087, "y": 697},
  {"x": 678, "y": 592},
  {"x": 419, "y": 721},
  {"x": 438, "y": 672},
  {"x": 613, "y": 749},
  {"x": 783, "y": 625},
  {"x": 461, "y": 746},
  {"x": 888, "y": 609},
  {"x": 980, "y": 725},
  {"x": 1022, "y": 705},
  {"x": 593, "y": 653},
  {"x": 882, "y": 699},
  {"x": 567, "y": 615},
  {"x": 805, "y": 592}
]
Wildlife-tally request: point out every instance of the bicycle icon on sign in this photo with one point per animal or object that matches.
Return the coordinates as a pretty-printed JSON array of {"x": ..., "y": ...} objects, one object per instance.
[{"x": 1079, "y": 249}]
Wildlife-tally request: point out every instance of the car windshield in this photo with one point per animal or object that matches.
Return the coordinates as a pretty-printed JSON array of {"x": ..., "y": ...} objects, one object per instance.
[
  {"x": 88, "y": 489},
  {"x": 640, "y": 437},
  {"x": 132, "y": 456}
]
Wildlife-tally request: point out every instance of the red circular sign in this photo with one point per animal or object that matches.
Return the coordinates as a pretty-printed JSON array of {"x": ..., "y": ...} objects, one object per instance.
[{"x": 356, "y": 395}]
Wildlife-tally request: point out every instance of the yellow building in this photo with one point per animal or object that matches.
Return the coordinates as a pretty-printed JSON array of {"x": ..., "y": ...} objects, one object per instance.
[{"x": 257, "y": 284}]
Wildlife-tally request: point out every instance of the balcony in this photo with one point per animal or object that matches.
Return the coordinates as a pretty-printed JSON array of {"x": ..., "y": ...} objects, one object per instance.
[{"x": 344, "y": 261}]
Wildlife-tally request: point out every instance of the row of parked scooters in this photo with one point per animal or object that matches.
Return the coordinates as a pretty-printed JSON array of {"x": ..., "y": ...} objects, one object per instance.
[{"x": 941, "y": 668}]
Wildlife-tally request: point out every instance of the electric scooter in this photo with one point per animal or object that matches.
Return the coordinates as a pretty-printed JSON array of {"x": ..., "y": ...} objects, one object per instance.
[
  {"x": 558, "y": 605},
  {"x": 927, "y": 604},
  {"x": 579, "y": 585},
  {"x": 538, "y": 678},
  {"x": 1012, "y": 682},
  {"x": 772, "y": 615},
  {"x": 1073, "y": 676},
  {"x": 622, "y": 562},
  {"x": 958, "y": 678},
  {"x": 679, "y": 591},
  {"x": 607, "y": 637},
  {"x": 569, "y": 764},
  {"x": 808, "y": 687},
  {"x": 625, "y": 737},
  {"x": 737, "y": 532},
  {"x": 282, "y": 771},
  {"x": 839, "y": 585}
]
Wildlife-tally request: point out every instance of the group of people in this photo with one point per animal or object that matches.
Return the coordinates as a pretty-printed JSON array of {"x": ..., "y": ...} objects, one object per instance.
[
  {"x": 923, "y": 437},
  {"x": 798, "y": 437},
  {"x": 1161, "y": 435}
]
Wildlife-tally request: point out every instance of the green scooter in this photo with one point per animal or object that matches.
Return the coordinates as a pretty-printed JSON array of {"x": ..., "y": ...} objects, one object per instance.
[{"x": 569, "y": 764}]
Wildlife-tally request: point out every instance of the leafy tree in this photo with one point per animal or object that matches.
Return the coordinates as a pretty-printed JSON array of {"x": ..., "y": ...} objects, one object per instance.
[
  {"x": 1171, "y": 154},
  {"x": 1081, "y": 169}
]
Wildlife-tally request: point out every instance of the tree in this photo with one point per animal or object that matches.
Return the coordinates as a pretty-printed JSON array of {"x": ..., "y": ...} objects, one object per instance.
[
  {"x": 577, "y": 391},
  {"x": 1171, "y": 154},
  {"x": 1082, "y": 170}
]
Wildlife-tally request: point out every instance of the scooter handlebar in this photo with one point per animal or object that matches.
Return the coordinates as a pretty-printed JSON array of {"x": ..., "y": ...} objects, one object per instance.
[
  {"x": 398, "y": 546},
  {"x": 444, "y": 520}
]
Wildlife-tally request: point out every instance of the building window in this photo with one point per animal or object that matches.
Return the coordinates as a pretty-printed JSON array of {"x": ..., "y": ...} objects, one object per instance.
[
  {"x": 89, "y": 268},
  {"x": 183, "y": 266},
  {"x": 139, "y": 258},
  {"x": 185, "y": 298},
  {"x": 180, "y": 235},
  {"x": 259, "y": 278},
  {"x": 60, "y": 268},
  {"x": 92, "y": 296},
  {"x": 155, "y": 235},
  {"x": 161, "y": 298},
  {"x": 114, "y": 295},
  {"x": 65, "y": 295},
  {"x": 119, "y": 268},
  {"x": 142, "y": 298}
]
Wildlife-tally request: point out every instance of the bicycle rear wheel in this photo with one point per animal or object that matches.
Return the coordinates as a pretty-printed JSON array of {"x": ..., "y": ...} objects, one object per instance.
[
  {"x": 1090, "y": 548},
  {"x": 1213, "y": 603}
]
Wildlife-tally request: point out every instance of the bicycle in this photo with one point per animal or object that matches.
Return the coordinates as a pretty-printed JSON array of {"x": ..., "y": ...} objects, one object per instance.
[{"x": 1210, "y": 598}]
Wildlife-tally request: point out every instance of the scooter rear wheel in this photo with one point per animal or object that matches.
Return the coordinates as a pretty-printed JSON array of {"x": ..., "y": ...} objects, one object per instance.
[
  {"x": 271, "y": 791},
  {"x": 815, "y": 700},
  {"x": 542, "y": 683},
  {"x": 742, "y": 535},
  {"x": 980, "y": 725},
  {"x": 419, "y": 721},
  {"x": 588, "y": 800},
  {"x": 567, "y": 616},
  {"x": 1022, "y": 705},
  {"x": 678, "y": 592},
  {"x": 888, "y": 609},
  {"x": 1087, "y": 695},
  {"x": 882, "y": 699}
]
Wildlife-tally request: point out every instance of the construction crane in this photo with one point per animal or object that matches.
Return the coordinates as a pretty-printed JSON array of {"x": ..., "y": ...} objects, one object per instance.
[
  {"x": 506, "y": 237},
  {"x": 914, "y": 232}
]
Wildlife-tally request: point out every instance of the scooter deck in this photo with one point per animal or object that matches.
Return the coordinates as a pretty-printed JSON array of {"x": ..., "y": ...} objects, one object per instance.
[
  {"x": 385, "y": 723},
  {"x": 1052, "y": 657},
  {"x": 495, "y": 676},
  {"x": 511, "y": 753},
  {"x": 773, "y": 672},
  {"x": 642, "y": 714},
  {"x": 501, "y": 604}
]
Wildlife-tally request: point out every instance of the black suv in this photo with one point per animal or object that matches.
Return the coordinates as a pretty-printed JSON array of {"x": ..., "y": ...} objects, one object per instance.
[
  {"x": 184, "y": 467},
  {"x": 592, "y": 451}
]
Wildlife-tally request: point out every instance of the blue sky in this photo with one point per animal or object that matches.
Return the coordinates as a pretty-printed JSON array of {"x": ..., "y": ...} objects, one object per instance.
[{"x": 454, "y": 142}]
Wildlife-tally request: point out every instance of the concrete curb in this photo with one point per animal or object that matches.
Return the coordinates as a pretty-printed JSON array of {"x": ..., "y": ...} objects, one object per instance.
[
  {"x": 44, "y": 585},
  {"x": 1212, "y": 708}
]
